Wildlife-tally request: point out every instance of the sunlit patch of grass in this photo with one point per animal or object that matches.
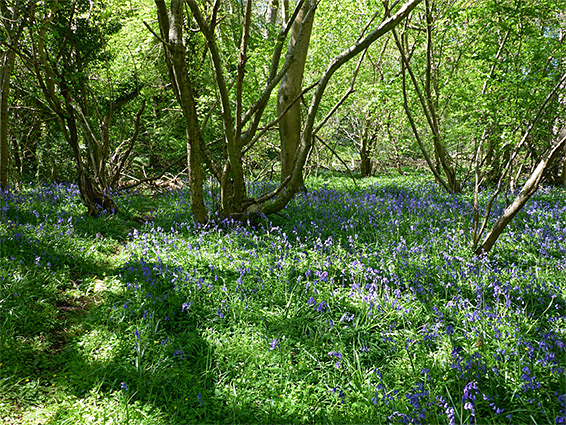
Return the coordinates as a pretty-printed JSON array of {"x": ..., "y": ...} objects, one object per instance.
[{"x": 95, "y": 408}]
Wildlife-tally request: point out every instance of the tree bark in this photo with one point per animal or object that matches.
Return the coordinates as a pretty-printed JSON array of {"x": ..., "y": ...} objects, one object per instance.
[
  {"x": 273, "y": 12},
  {"x": 95, "y": 197},
  {"x": 6, "y": 66},
  {"x": 285, "y": 10},
  {"x": 232, "y": 181},
  {"x": 365, "y": 165},
  {"x": 366, "y": 145},
  {"x": 290, "y": 88}
]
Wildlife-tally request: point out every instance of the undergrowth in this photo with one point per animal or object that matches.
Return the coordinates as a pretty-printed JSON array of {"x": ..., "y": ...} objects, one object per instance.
[{"x": 358, "y": 304}]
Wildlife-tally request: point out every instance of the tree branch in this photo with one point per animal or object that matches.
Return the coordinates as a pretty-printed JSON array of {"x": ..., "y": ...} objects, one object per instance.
[
  {"x": 346, "y": 95},
  {"x": 150, "y": 179},
  {"x": 339, "y": 158}
]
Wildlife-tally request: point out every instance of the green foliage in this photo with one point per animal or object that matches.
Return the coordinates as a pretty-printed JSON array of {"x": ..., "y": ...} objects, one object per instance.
[
  {"x": 480, "y": 87},
  {"x": 511, "y": 52}
]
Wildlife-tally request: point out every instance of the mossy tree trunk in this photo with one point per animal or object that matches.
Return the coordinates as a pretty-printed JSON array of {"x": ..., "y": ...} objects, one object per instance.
[{"x": 290, "y": 88}]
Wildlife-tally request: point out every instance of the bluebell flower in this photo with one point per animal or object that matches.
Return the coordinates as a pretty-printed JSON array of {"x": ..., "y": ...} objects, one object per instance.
[
  {"x": 375, "y": 399},
  {"x": 338, "y": 356},
  {"x": 321, "y": 307},
  {"x": 470, "y": 394},
  {"x": 340, "y": 393},
  {"x": 274, "y": 342},
  {"x": 179, "y": 353}
]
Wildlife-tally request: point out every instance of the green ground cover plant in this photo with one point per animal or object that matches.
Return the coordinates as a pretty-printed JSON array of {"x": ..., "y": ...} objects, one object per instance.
[{"x": 358, "y": 304}]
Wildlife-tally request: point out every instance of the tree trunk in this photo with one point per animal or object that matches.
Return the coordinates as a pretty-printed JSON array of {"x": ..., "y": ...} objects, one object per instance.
[
  {"x": 18, "y": 170},
  {"x": 290, "y": 88},
  {"x": 272, "y": 12},
  {"x": 428, "y": 98},
  {"x": 8, "y": 17},
  {"x": 366, "y": 147},
  {"x": 431, "y": 95},
  {"x": 7, "y": 63},
  {"x": 527, "y": 191},
  {"x": 95, "y": 197},
  {"x": 277, "y": 200},
  {"x": 171, "y": 26},
  {"x": 393, "y": 143},
  {"x": 53, "y": 78},
  {"x": 365, "y": 165},
  {"x": 285, "y": 10},
  {"x": 233, "y": 188},
  {"x": 240, "y": 139}
]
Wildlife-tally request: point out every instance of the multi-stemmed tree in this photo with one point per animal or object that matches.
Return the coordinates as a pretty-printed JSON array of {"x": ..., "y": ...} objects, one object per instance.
[
  {"x": 65, "y": 44},
  {"x": 243, "y": 124}
]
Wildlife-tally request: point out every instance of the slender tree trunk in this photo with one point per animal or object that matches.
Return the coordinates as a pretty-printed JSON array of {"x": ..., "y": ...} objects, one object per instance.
[
  {"x": 18, "y": 169},
  {"x": 277, "y": 200},
  {"x": 172, "y": 30},
  {"x": 121, "y": 158},
  {"x": 12, "y": 31},
  {"x": 428, "y": 98},
  {"x": 285, "y": 10},
  {"x": 188, "y": 104},
  {"x": 273, "y": 12},
  {"x": 95, "y": 199},
  {"x": 365, "y": 165},
  {"x": 6, "y": 66},
  {"x": 365, "y": 148},
  {"x": 53, "y": 81},
  {"x": 431, "y": 96},
  {"x": 438, "y": 177},
  {"x": 527, "y": 191},
  {"x": 233, "y": 188},
  {"x": 395, "y": 148},
  {"x": 291, "y": 87}
]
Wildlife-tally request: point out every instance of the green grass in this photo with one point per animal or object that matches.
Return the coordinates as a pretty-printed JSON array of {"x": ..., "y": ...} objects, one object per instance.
[{"x": 359, "y": 304}]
